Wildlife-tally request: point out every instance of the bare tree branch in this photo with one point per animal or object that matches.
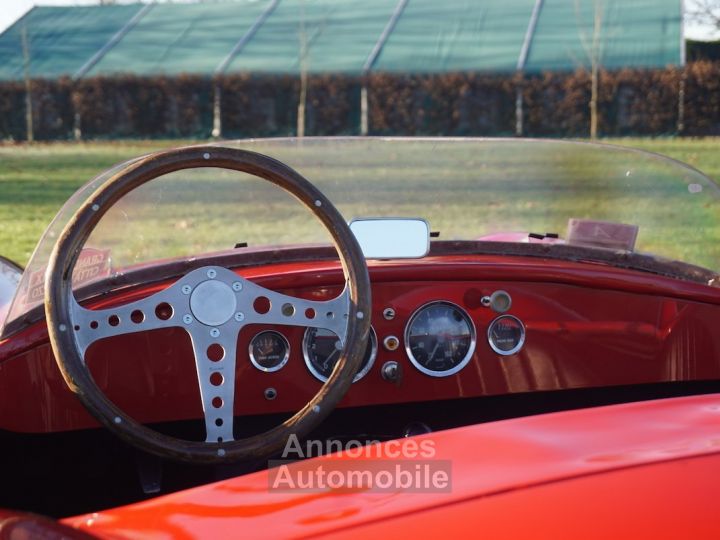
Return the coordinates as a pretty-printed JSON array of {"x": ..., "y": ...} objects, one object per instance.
[{"x": 703, "y": 12}]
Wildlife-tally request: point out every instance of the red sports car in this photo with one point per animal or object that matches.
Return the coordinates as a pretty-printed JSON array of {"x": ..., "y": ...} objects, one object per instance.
[{"x": 365, "y": 336}]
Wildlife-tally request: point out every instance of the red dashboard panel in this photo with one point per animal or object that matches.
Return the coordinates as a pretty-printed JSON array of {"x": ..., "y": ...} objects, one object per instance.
[{"x": 586, "y": 326}]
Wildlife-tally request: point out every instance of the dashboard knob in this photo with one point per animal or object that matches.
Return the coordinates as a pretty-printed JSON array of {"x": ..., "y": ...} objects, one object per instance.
[
  {"x": 500, "y": 301},
  {"x": 391, "y": 372}
]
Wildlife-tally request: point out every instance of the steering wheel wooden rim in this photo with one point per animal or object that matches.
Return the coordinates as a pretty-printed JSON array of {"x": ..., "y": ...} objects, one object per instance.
[{"x": 59, "y": 298}]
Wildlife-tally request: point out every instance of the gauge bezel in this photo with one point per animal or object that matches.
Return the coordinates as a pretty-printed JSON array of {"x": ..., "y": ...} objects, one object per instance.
[
  {"x": 284, "y": 360},
  {"x": 517, "y": 347},
  {"x": 359, "y": 375},
  {"x": 466, "y": 359}
]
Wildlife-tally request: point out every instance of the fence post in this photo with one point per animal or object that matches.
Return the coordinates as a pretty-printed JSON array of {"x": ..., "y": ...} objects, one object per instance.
[
  {"x": 302, "y": 104},
  {"x": 77, "y": 126},
  {"x": 519, "y": 110},
  {"x": 372, "y": 58},
  {"x": 217, "y": 110},
  {"x": 364, "y": 126},
  {"x": 681, "y": 101},
  {"x": 522, "y": 62},
  {"x": 30, "y": 135}
]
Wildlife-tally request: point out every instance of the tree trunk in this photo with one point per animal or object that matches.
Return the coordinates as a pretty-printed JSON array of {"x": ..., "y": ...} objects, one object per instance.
[
  {"x": 594, "y": 101},
  {"x": 28, "y": 86},
  {"x": 595, "y": 56},
  {"x": 217, "y": 111}
]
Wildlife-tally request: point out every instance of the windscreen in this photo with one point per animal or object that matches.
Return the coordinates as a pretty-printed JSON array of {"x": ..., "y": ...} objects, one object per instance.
[{"x": 466, "y": 189}]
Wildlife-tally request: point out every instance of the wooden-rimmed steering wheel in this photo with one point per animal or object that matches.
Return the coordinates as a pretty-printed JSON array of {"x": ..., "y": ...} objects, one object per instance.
[{"x": 212, "y": 304}]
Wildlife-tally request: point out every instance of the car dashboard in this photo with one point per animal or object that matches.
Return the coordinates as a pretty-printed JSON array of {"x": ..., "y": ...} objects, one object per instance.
[{"x": 443, "y": 329}]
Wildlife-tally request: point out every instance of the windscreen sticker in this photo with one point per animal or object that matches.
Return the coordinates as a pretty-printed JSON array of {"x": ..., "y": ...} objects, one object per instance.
[{"x": 92, "y": 264}]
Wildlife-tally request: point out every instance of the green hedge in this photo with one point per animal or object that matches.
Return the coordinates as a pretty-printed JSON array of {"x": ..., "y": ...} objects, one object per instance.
[
  {"x": 632, "y": 102},
  {"x": 447, "y": 104}
]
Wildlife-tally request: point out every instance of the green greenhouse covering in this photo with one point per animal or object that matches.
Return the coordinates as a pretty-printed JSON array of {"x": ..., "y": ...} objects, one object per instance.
[
  {"x": 472, "y": 36},
  {"x": 343, "y": 36},
  {"x": 336, "y": 35},
  {"x": 188, "y": 38},
  {"x": 637, "y": 33},
  {"x": 60, "y": 39}
]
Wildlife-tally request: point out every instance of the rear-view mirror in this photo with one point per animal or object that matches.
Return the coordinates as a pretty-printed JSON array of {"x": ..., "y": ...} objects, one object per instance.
[{"x": 392, "y": 238}]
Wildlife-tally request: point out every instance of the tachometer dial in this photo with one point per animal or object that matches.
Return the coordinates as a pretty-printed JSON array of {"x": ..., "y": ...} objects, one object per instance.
[
  {"x": 269, "y": 351},
  {"x": 321, "y": 349},
  {"x": 440, "y": 339},
  {"x": 506, "y": 335}
]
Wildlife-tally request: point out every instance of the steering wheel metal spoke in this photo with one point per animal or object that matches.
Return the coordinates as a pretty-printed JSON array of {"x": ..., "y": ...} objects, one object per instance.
[
  {"x": 215, "y": 297},
  {"x": 157, "y": 311},
  {"x": 215, "y": 358}
]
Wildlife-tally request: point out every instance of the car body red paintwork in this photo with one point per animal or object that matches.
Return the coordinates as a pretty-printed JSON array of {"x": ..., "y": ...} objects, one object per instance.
[
  {"x": 641, "y": 470},
  {"x": 627, "y": 327}
]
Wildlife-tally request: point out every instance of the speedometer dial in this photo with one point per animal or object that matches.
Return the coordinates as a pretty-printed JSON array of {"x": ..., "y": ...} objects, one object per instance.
[
  {"x": 440, "y": 339},
  {"x": 321, "y": 349}
]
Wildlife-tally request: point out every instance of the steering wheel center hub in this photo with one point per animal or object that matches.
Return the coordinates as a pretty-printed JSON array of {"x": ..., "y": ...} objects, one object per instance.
[{"x": 213, "y": 302}]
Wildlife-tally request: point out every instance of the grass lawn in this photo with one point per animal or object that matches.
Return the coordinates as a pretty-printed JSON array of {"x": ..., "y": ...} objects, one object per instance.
[
  {"x": 703, "y": 154},
  {"x": 36, "y": 180},
  {"x": 470, "y": 194}
]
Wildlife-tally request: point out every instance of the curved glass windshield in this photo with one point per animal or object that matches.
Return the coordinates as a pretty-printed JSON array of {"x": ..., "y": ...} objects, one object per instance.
[{"x": 596, "y": 196}]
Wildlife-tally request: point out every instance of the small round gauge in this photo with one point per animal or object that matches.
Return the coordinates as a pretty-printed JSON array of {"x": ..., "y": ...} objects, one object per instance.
[
  {"x": 440, "y": 339},
  {"x": 506, "y": 335},
  {"x": 269, "y": 351},
  {"x": 321, "y": 351}
]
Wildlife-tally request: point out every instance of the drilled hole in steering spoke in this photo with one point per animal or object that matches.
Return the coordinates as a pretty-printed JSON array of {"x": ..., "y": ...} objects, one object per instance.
[
  {"x": 217, "y": 402},
  {"x": 215, "y": 352},
  {"x": 261, "y": 305},
  {"x": 94, "y": 325},
  {"x": 310, "y": 313},
  {"x": 137, "y": 316},
  {"x": 218, "y": 422},
  {"x": 216, "y": 379},
  {"x": 113, "y": 320},
  {"x": 288, "y": 310},
  {"x": 163, "y": 311}
]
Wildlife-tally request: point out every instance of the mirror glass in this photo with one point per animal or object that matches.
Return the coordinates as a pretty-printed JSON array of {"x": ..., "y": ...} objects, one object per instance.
[{"x": 392, "y": 238}]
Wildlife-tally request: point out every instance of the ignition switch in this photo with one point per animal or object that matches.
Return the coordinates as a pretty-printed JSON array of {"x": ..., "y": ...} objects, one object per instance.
[{"x": 392, "y": 372}]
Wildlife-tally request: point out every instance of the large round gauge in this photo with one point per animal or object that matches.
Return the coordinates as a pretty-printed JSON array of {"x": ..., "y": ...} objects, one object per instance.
[
  {"x": 269, "y": 351},
  {"x": 506, "y": 335},
  {"x": 440, "y": 339},
  {"x": 321, "y": 349}
]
